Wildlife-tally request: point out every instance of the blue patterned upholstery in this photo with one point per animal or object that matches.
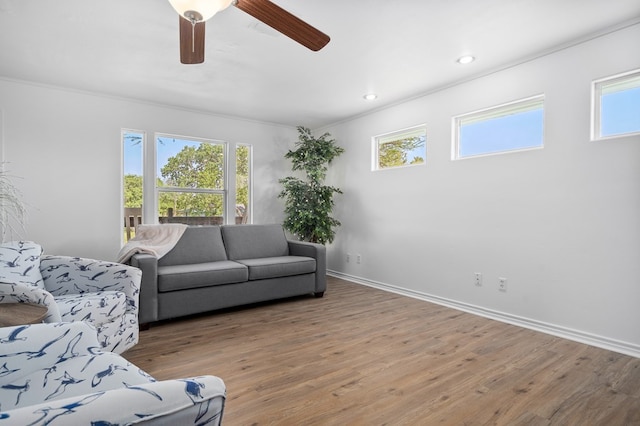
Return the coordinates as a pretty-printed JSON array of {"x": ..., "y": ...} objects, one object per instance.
[
  {"x": 103, "y": 294},
  {"x": 57, "y": 374}
]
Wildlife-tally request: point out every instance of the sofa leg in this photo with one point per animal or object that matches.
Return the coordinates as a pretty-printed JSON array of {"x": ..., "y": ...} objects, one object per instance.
[
  {"x": 319, "y": 294},
  {"x": 144, "y": 327}
]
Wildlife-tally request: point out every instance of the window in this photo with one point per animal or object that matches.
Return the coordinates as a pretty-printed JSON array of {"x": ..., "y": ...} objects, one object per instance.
[
  {"x": 616, "y": 106},
  {"x": 243, "y": 183},
  {"x": 132, "y": 154},
  {"x": 401, "y": 148},
  {"x": 189, "y": 184},
  {"x": 510, "y": 127},
  {"x": 190, "y": 180}
]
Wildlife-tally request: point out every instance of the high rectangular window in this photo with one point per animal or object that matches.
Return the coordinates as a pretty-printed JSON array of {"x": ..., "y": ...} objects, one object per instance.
[
  {"x": 514, "y": 126},
  {"x": 400, "y": 148},
  {"x": 616, "y": 106}
]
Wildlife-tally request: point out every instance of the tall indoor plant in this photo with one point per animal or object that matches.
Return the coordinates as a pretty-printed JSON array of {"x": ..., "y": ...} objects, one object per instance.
[{"x": 308, "y": 202}]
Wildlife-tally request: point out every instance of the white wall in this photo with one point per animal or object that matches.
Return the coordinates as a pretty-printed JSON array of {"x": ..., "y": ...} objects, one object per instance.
[
  {"x": 65, "y": 146},
  {"x": 562, "y": 224}
]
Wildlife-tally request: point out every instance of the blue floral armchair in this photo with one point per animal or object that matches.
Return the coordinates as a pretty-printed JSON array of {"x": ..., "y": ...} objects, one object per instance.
[
  {"x": 103, "y": 294},
  {"x": 57, "y": 374}
]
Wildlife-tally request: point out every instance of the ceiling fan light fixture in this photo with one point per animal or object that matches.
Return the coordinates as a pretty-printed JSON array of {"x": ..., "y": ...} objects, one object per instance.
[
  {"x": 199, "y": 10},
  {"x": 194, "y": 13}
]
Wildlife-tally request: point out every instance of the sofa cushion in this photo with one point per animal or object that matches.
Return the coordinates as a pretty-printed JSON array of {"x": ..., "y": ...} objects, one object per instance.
[
  {"x": 280, "y": 266},
  {"x": 94, "y": 308},
  {"x": 254, "y": 241},
  {"x": 181, "y": 277},
  {"x": 20, "y": 263},
  {"x": 198, "y": 244}
]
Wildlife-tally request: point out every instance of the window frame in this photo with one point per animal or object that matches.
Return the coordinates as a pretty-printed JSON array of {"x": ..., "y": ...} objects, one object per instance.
[
  {"x": 596, "y": 103},
  {"x": 394, "y": 135},
  {"x": 224, "y": 191},
  {"x": 249, "y": 209},
  {"x": 498, "y": 111},
  {"x": 143, "y": 151}
]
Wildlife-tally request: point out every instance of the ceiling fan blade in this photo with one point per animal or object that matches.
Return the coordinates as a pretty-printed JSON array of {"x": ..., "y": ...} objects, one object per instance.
[
  {"x": 284, "y": 22},
  {"x": 191, "y": 42}
]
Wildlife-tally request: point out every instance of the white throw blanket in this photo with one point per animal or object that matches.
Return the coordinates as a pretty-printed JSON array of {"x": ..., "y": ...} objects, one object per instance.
[{"x": 157, "y": 240}]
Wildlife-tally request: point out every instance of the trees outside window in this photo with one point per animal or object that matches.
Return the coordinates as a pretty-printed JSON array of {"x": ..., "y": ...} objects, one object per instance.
[
  {"x": 243, "y": 184},
  {"x": 132, "y": 196},
  {"x": 400, "y": 148},
  {"x": 189, "y": 184},
  {"x": 190, "y": 179}
]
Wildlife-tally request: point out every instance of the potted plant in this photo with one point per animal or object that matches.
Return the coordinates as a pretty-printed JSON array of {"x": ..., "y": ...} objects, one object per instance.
[
  {"x": 308, "y": 202},
  {"x": 12, "y": 209}
]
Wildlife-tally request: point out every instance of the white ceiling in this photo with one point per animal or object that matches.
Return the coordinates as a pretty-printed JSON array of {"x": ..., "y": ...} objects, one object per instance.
[{"x": 397, "y": 49}]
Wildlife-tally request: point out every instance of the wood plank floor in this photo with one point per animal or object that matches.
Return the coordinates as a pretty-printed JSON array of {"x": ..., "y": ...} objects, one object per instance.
[{"x": 361, "y": 356}]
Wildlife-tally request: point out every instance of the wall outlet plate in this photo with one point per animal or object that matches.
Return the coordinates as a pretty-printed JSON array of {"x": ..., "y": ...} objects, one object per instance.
[
  {"x": 478, "y": 279},
  {"x": 502, "y": 284}
]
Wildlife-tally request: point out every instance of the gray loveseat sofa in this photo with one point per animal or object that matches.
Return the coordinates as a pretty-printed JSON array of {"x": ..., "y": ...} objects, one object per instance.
[{"x": 215, "y": 267}]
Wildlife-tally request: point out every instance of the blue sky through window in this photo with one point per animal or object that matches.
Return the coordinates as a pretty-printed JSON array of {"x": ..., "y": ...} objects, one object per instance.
[
  {"x": 507, "y": 133},
  {"x": 166, "y": 148},
  {"x": 132, "y": 142},
  {"x": 620, "y": 112},
  {"x": 420, "y": 151}
]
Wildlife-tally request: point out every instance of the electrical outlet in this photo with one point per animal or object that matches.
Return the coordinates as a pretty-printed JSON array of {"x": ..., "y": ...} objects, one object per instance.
[
  {"x": 348, "y": 257},
  {"x": 478, "y": 281},
  {"x": 358, "y": 259},
  {"x": 502, "y": 284}
]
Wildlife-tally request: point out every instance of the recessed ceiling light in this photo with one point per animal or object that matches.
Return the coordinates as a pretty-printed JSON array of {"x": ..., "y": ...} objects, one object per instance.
[
  {"x": 467, "y": 59},
  {"x": 370, "y": 96}
]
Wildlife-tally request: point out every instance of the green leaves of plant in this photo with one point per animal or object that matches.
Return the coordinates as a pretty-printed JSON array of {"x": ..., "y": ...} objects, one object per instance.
[{"x": 309, "y": 202}]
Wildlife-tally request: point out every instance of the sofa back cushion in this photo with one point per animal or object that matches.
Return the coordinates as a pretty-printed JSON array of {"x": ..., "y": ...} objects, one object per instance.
[
  {"x": 198, "y": 244},
  {"x": 254, "y": 241}
]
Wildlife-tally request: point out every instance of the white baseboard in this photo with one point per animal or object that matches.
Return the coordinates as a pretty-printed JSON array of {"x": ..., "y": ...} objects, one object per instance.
[{"x": 552, "y": 329}]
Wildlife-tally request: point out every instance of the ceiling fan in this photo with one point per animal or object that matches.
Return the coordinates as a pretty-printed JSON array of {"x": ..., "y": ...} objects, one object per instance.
[{"x": 194, "y": 13}]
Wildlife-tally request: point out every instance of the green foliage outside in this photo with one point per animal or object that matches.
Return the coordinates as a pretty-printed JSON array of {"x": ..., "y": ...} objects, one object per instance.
[
  {"x": 395, "y": 153},
  {"x": 133, "y": 191},
  {"x": 242, "y": 181},
  {"x": 199, "y": 167},
  {"x": 308, "y": 202}
]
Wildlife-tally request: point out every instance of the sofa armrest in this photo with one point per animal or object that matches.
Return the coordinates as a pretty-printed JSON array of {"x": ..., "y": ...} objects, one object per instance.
[
  {"x": 148, "y": 264},
  {"x": 196, "y": 400},
  {"x": 64, "y": 275},
  {"x": 26, "y": 293},
  {"x": 319, "y": 253}
]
